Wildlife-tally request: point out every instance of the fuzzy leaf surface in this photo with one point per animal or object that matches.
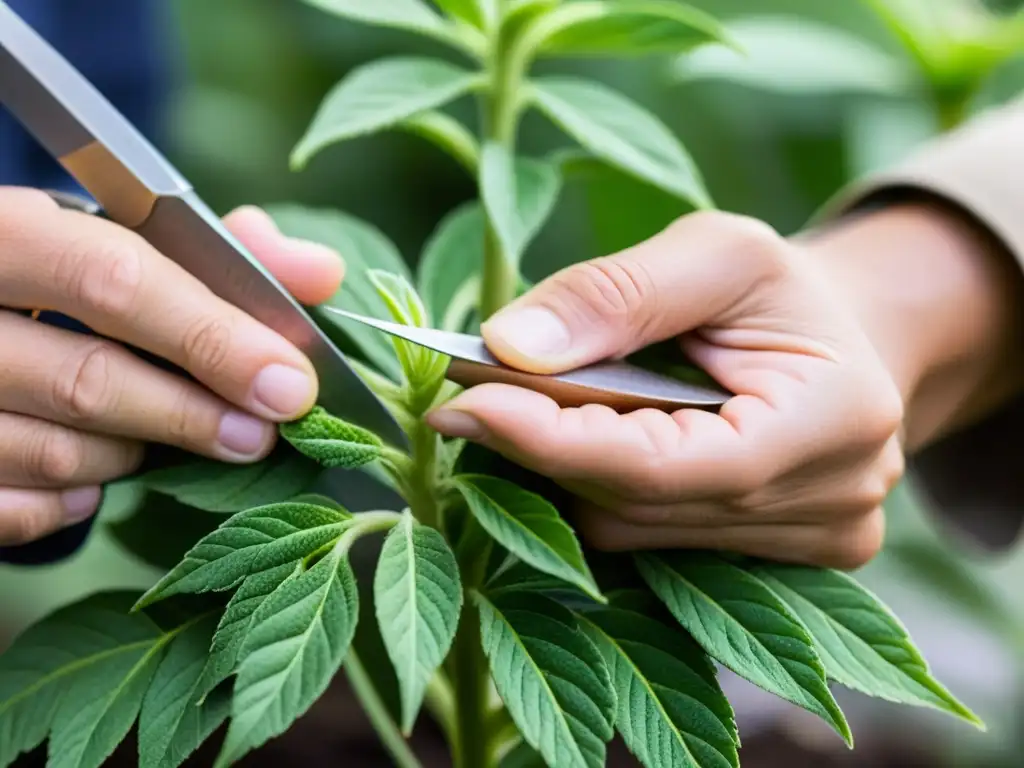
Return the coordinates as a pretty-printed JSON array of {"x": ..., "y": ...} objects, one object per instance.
[
  {"x": 251, "y": 542},
  {"x": 551, "y": 677},
  {"x": 621, "y": 133},
  {"x": 381, "y": 95},
  {"x": 529, "y": 527},
  {"x": 418, "y": 598},
  {"x": 739, "y": 621},
  {"x": 519, "y": 194},
  {"x": 671, "y": 711},
  {"x": 332, "y": 442},
  {"x": 862, "y": 644},
  {"x": 297, "y": 642}
]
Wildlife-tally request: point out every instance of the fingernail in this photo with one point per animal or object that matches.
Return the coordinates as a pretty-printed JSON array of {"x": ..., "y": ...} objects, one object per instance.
[
  {"x": 242, "y": 435},
  {"x": 454, "y": 423},
  {"x": 534, "y": 332},
  {"x": 80, "y": 503},
  {"x": 283, "y": 392}
]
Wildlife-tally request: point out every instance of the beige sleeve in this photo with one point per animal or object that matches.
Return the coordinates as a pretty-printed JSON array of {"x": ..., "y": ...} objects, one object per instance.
[{"x": 973, "y": 480}]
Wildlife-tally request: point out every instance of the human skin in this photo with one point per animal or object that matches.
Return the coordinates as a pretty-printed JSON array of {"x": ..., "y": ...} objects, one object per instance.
[
  {"x": 845, "y": 348},
  {"x": 76, "y": 410}
]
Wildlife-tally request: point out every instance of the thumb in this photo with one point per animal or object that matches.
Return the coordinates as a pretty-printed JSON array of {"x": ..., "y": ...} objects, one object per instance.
[{"x": 691, "y": 274}]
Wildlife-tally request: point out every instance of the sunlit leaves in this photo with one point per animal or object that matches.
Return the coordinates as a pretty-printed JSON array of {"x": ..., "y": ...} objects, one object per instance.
[{"x": 332, "y": 442}]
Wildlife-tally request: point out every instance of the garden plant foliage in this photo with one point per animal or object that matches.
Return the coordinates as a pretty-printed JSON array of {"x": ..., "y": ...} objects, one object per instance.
[{"x": 482, "y": 596}]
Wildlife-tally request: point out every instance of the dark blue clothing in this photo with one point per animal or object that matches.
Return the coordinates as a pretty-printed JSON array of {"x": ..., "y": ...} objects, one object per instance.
[{"x": 121, "y": 46}]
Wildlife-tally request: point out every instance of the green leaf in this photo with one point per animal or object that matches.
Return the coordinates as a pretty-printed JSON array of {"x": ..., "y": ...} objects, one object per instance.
[
  {"x": 364, "y": 247},
  {"x": 448, "y": 134},
  {"x": 412, "y": 15},
  {"x": 551, "y": 677},
  {"x": 235, "y": 623},
  {"x": 297, "y": 642},
  {"x": 418, "y": 596},
  {"x": 250, "y": 542},
  {"x": 332, "y": 442},
  {"x": 671, "y": 711},
  {"x": 453, "y": 256},
  {"x": 44, "y": 665},
  {"x": 862, "y": 644},
  {"x": 171, "y": 723},
  {"x": 519, "y": 193},
  {"x": 636, "y": 28},
  {"x": 215, "y": 486},
  {"x": 740, "y": 622},
  {"x": 381, "y": 95},
  {"x": 479, "y": 13},
  {"x": 798, "y": 56},
  {"x": 622, "y": 133},
  {"x": 528, "y": 527},
  {"x": 522, "y": 755},
  {"x": 163, "y": 530}
]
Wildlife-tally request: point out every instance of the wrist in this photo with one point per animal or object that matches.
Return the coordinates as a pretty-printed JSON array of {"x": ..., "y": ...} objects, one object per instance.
[{"x": 940, "y": 300}]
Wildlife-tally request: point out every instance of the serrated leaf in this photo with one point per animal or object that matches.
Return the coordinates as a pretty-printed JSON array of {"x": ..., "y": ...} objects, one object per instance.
[
  {"x": 529, "y": 527},
  {"x": 862, "y": 644},
  {"x": 297, "y": 642},
  {"x": 418, "y": 597},
  {"x": 551, "y": 677},
  {"x": 447, "y": 133},
  {"x": 739, "y": 621},
  {"x": 171, "y": 723},
  {"x": 412, "y": 15},
  {"x": 215, "y": 486},
  {"x": 44, "y": 663},
  {"x": 519, "y": 193},
  {"x": 452, "y": 256},
  {"x": 671, "y": 711},
  {"x": 332, "y": 442},
  {"x": 622, "y": 133},
  {"x": 640, "y": 27},
  {"x": 381, "y": 95},
  {"x": 797, "y": 56},
  {"x": 235, "y": 623},
  {"x": 364, "y": 248},
  {"x": 250, "y": 542},
  {"x": 163, "y": 530}
]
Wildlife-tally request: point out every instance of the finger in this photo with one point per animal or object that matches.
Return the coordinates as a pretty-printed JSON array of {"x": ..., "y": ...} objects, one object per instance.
[
  {"x": 700, "y": 271},
  {"x": 38, "y": 454},
  {"x": 310, "y": 271},
  {"x": 28, "y": 515},
  {"x": 98, "y": 386},
  {"x": 846, "y": 546},
  {"x": 113, "y": 281}
]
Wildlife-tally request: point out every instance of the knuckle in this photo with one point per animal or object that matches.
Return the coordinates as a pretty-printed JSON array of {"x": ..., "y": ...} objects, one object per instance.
[
  {"x": 84, "y": 389},
  {"x": 184, "y": 420},
  {"x": 106, "y": 279},
  {"x": 23, "y": 526},
  {"x": 611, "y": 289},
  {"x": 53, "y": 457},
  {"x": 757, "y": 247},
  {"x": 206, "y": 344}
]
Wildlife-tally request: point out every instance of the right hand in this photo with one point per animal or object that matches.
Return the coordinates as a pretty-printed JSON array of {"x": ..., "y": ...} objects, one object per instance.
[{"x": 76, "y": 410}]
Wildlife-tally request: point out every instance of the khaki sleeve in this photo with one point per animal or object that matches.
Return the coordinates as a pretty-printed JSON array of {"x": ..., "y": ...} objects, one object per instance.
[{"x": 973, "y": 481}]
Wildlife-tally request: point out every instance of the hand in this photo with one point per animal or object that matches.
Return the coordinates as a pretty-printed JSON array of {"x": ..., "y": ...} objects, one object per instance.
[
  {"x": 794, "y": 467},
  {"x": 76, "y": 410}
]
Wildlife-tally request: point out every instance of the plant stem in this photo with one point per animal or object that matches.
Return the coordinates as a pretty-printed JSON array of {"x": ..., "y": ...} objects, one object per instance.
[
  {"x": 469, "y": 673},
  {"x": 423, "y": 475},
  {"x": 378, "y": 713}
]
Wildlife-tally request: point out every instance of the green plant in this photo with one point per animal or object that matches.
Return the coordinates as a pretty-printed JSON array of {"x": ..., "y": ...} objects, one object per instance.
[{"x": 483, "y": 598}]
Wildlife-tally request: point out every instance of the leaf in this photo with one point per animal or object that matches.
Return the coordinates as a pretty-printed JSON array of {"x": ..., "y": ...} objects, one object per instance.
[
  {"x": 163, "y": 530},
  {"x": 528, "y": 527},
  {"x": 622, "y": 133},
  {"x": 418, "y": 596},
  {"x": 45, "y": 663},
  {"x": 599, "y": 27},
  {"x": 861, "y": 643},
  {"x": 234, "y": 625},
  {"x": 215, "y": 486},
  {"x": 447, "y": 133},
  {"x": 171, "y": 724},
  {"x": 412, "y": 15},
  {"x": 740, "y": 622},
  {"x": 381, "y": 95},
  {"x": 297, "y": 642},
  {"x": 551, "y": 677},
  {"x": 479, "y": 13},
  {"x": 332, "y": 442},
  {"x": 364, "y": 248},
  {"x": 671, "y": 711},
  {"x": 453, "y": 255},
  {"x": 519, "y": 193},
  {"x": 793, "y": 55},
  {"x": 250, "y": 542}
]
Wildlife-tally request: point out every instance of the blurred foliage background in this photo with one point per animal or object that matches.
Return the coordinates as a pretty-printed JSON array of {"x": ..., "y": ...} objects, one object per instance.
[{"x": 830, "y": 92}]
